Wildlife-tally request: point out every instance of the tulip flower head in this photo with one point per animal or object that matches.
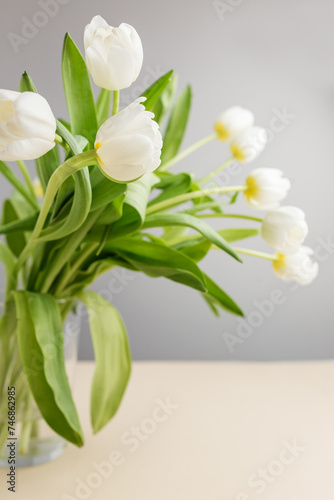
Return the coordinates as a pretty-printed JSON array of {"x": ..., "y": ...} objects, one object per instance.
[
  {"x": 233, "y": 121},
  {"x": 129, "y": 143},
  {"x": 248, "y": 144},
  {"x": 299, "y": 266},
  {"x": 27, "y": 126},
  {"x": 284, "y": 229},
  {"x": 266, "y": 188},
  {"x": 114, "y": 56}
]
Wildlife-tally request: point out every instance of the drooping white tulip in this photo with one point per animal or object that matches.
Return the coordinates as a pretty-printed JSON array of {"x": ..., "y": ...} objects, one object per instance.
[
  {"x": 27, "y": 126},
  {"x": 299, "y": 266},
  {"x": 233, "y": 121},
  {"x": 248, "y": 144},
  {"x": 266, "y": 188},
  {"x": 284, "y": 229},
  {"x": 114, "y": 56},
  {"x": 129, "y": 143}
]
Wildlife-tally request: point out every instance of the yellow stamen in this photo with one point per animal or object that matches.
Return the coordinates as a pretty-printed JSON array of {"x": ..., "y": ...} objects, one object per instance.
[
  {"x": 252, "y": 188},
  {"x": 222, "y": 132},
  {"x": 237, "y": 152},
  {"x": 279, "y": 262}
]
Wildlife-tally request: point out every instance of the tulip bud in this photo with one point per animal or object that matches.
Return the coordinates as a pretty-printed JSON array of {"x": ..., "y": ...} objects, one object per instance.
[
  {"x": 233, "y": 121},
  {"x": 129, "y": 144},
  {"x": 249, "y": 143},
  {"x": 299, "y": 266},
  {"x": 266, "y": 188},
  {"x": 284, "y": 229},
  {"x": 27, "y": 126},
  {"x": 114, "y": 56}
]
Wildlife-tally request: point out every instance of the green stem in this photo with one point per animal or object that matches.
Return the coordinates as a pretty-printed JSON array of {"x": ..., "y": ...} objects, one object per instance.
[
  {"x": 26, "y": 176},
  {"x": 166, "y": 166},
  {"x": 63, "y": 172},
  {"x": 115, "y": 102},
  {"x": 235, "y": 216},
  {"x": 68, "y": 275},
  {"x": 18, "y": 185},
  {"x": 26, "y": 425},
  {"x": 73, "y": 242},
  {"x": 177, "y": 200},
  {"x": 62, "y": 142},
  {"x": 212, "y": 174},
  {"x": 255, "y": 253}
]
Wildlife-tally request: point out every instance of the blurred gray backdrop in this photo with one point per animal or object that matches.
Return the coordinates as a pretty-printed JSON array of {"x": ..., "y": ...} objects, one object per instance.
[{"x": 275, "y": 57}]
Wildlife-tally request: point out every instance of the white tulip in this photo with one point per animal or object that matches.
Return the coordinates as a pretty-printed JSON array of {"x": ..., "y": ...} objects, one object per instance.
[
  {"x": 266, "y": 188},
  {"x": 284, "y": 229},
  {"x": 129, "y": 143},
  {"x": 249, "y": 143},
  {"x": 233, "y": 121},
  {"x": 299, "y": 266},
  {"x": 27, "y": 126},
  {"x": 114, "y": 56}
]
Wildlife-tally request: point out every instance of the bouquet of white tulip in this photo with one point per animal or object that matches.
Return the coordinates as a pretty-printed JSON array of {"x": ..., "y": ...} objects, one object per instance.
[{"x": 97, "y": 209}]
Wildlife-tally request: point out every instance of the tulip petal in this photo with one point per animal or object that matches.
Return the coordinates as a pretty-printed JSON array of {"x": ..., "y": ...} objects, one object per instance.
[
  {"x": 34, "y": 117},
  {"x": 132, "y": 149},
  {"x": 26, "y": 149}
]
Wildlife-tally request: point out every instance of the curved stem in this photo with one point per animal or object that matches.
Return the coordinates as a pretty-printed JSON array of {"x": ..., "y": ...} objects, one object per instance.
[
  {"x": 232, "y": 216},
  {"x": 255, "y": 253},
  {"x": 68, "y": 168},
  {"x": 187, "y": 152},
  {"x": 216, "y": 171},
  {"x": 177, "y": 200},
  {"x": 115, "y": 102}
]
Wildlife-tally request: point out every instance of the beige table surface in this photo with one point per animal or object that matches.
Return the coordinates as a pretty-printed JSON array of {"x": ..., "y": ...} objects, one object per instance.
[{"x": 201, "y": 431}]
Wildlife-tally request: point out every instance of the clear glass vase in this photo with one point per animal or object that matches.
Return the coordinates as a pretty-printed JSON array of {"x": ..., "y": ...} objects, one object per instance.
[{"x": 32, "y": 442}]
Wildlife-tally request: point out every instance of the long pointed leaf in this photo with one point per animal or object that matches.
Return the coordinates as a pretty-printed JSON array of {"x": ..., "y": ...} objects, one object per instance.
[
  {"x": 112, "y": 358},
  {"x": 171, "y": 219},
  {"x": 41, "y": 346},
  {"x": 176, "y": 126},
  {"x": 78, "y": 92},
  {"x": 153, "y": 93}
]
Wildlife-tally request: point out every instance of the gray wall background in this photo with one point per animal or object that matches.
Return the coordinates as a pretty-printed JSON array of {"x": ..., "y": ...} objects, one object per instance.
[{"x": 265, "y": 55}]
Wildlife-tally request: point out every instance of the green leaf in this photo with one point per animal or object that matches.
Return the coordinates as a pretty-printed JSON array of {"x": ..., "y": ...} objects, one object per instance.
[
  {"x": 179, "y": 219},
  {"x": 26, "y": 224},
  {"x": 103, "y": 106},
  {"x": 9, "y": 262},
  {"x": 105, "y": 192},
  {"x": 78, "y": 92},
  {"x": 41, "y": 345},
  {"x": 164, "y": 102},
  {"x": 157, "y": 259},
  {"x": 195, "y": 251},
  {"x": 16, "y": 241},
  {"x": 11, "y": 177},
  {"x": 26, "y": 84},
  {"x": 77, "y": 215},
  {"x": 135, "y": 204},
  {"x": 112, "y": 358},
  {"x": 218, "y": 297},
  {"x": 153, "y": 93},
  {"x": 171, "y": 186},
  {"x": 46, "y": 165},
  {"x": 176, "y": 126},
  {"x": 231, "y": 235}
]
